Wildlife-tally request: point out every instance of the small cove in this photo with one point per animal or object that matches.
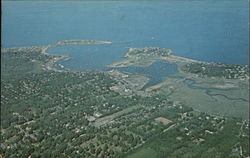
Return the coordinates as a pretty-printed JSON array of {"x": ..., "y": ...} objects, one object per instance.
[{"x": 157, "y": 72}]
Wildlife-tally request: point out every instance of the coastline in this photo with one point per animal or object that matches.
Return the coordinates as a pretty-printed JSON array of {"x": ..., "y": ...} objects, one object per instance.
[
  {"x": 135, "y": 60},
  {"x": 56, "y": 58}
]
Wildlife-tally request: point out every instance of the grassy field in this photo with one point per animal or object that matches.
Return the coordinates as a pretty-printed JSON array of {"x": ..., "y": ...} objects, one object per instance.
[{"x": 199, "y": 100}]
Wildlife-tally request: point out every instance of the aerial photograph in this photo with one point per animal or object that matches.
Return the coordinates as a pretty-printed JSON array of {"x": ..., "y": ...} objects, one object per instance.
[{"x": 124, "y": 79}]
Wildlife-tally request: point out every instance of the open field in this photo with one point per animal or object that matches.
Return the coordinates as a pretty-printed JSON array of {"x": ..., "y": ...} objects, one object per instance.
[{"x": 163, "y": 120}]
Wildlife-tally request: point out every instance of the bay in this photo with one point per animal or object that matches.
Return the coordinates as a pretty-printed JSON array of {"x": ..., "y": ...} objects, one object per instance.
[{"x": 213, "y": 31}]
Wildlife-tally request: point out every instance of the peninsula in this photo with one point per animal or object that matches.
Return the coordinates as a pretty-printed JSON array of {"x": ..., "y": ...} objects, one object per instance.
[{"x": 147, "y": 55}]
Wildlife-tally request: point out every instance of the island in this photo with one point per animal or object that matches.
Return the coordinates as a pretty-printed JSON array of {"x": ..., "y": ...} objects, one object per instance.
[{"x": 67, "y": 42}]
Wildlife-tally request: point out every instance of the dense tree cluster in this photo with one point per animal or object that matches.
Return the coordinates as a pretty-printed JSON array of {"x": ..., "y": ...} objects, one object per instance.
[
  {"x": 150, "y": 51},
  {"x": 217, "y": 70}
]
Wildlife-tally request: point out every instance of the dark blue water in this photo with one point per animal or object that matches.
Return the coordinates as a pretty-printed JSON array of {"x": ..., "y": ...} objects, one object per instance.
[
  {"x": 205, "y": 30},
  {"x": 157, "y": 72},
  {"x": 89, "y": 57}
]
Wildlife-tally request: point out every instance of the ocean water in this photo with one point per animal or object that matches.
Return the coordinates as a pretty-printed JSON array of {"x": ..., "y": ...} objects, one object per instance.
[{"x": 209, "y": 30}]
